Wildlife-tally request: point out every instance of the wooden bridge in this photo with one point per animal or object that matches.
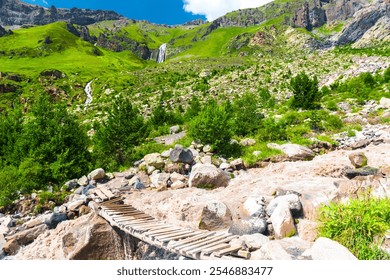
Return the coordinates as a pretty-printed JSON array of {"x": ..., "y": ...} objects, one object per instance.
[{"x": 194, "y": 244}]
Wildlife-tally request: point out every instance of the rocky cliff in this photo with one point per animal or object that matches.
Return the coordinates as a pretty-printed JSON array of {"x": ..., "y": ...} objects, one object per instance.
[{"x": 14, "y": 12}]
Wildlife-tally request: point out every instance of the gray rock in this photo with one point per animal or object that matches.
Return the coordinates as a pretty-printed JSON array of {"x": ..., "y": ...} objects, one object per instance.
[
  {"x": 178, "y": 185},
  {"x": 54, "y": 219},
  {"x": 83, "y": 181},
  {"x": 207, "y": 149},
  {"x": 72, "y": 184},
  {"x": 237, "y": 164},
  {"x": 179, "y": 154},
  {"x": 224, "y": 166},
  {"x": 327, "y": 249},
  {"x": 174, "y": 129},
  {"x": 166, "y": 154},
  {"x": 75, "y": 205},
  {"x": 293, "y": 202},
  {"x": 87, "y": 188},
  {"x": 358, "y": 160},
  {"x": 139, "y": 185},
  {"x": 207, "y": 176},
  {"x": 215, "y": 216},
  {"x": 254, "y": 241},
  {"x": 25, "y": 237},
  {"x": 155, "y": 160},
  {"x": 97, "y": 174},
  {"x": 293, "y": 151},
  {"x": 160, "y": 180},
  {"x": 255, "y": 206},
  {"x": 364, "y": 171},
  {"x": 282, "y": 221},
  {"x": 248, "y": 142},
  {"x": 79, "y": 190},
  {"x": 385, "y": 102},
  {"x": 274, "y": 251},
  {"x": 252, "y": 225}
]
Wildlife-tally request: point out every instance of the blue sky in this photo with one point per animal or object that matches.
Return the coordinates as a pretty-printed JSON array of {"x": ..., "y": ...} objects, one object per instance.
[{"x": 159, "y": 11}]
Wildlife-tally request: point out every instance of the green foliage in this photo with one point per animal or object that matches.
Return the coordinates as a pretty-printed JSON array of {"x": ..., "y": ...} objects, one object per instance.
[
  {"x": 213, "y": 126},
  {"x": 46, "y": 147},
  {"x": 245, "y": 116},
  {"x": 194, "y": 108},
  {"x": 358, "y": 225},
  {"x": 305, "y": 90},
  {"x": 117, "y": 136}
]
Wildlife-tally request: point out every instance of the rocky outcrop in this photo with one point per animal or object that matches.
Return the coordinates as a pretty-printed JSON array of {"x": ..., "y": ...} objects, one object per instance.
[
  {"x": 4, "y": 32},
  {"x": 87, "y": 238},
  {"x": 363, "y": 21},
  {"x": 208, "y": 176},
  {"x": 15, "y": 12}
]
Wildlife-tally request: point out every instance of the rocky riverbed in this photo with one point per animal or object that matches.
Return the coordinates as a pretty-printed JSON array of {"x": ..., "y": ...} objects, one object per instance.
[{"x": 273, "y": 209}]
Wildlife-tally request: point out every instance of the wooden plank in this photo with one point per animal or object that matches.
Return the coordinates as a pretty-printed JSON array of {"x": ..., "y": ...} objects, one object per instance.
[
  {"x": 243, "y": 254},
  {"x": 146, "y": 227},
  {"x": 174, "y": 245},
  {"x": 227, "y": 251},
  {"x": 206, "y": 241},
  {"x": 106, "y": 192},
  {"x": 132, "y": 217},
  {"x": 209, "y": 250},
  {"x": 129, "y": 220},
  {"x": 113, "y": 201},
  {"x": 100, "y": 194},
  {"x": 157, "y": 231},
  {"x": 200, "y": 248},
  {"x": 181, "y": 236},
  {"x": 172, "y": 231},
  {"x": 121, "y": 207},
  {"x": 167, "y": 235}
]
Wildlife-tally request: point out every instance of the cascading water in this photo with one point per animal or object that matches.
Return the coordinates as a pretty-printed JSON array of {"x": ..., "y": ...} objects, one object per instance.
[
  {"x": 162, "y": 50},
  {"x": 88, "y": 92}
]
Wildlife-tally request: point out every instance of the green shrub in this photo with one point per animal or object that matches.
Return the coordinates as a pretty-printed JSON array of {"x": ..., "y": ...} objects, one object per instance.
[
  {"x": 357, "y": 225},
  {"x": 117, "y": 136},
  {"x": 213, "y": 126},
  {"x": 305, "y": 91}
]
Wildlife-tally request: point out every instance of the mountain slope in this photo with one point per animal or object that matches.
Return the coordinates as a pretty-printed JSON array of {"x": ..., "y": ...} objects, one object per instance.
[{"x": 14, "y": 12}]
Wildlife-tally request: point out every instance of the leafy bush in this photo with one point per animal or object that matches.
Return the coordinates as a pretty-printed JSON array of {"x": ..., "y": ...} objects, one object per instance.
[
  {"x": 213, "y": 126},
  {"x": 245, "y": 116},
  {"x": 117, "y": 136},
  {"x": 357, "y": 225},
  {"x": 305, "y": 90}
]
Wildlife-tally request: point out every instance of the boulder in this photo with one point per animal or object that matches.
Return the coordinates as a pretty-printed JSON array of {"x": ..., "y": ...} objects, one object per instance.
[
  {"x": 248, "y": 142},
  {"x": 11, "y": 247},
  {"x": 254, "y": 241},
  {"x": 237, "y": 164},
  {"x": 358, "y": 160},
  {"x": 87, "y": 238},
  {"x": 72, "y": 184},
  {"x": 385, "y": 102},
  {"x": 293, "y": 201},
  {"x": 251, "y": 225},
  {"x": 293, "y": 151},
  {"x": 327, "y": 249},
  {"x": 97, "y": 174},
  {"x": 75, "y": 205},
  {"x": 83, "y": 181},
  {"x": 282, "y": 221},
  {"x": 364, "y": 171},
  {"x": 179, "y": 154},
  {"x": 54, "y": 219},
  {"x": 174, "y": 129},
  {"x": 178, "y": 185},
  {"x": 215, "y": 216},
  {"x": 307, "y": 230},
  {"x": 272, "y": 251},
  {"x": 255, "y": 206},
  {"x": 208, "y": 176},
  {"x": 155, "y": 160},
  {"x": 84, "y": 210},
  {"x": 160, "y": 180},
  {"x": 26, "y": 237}
]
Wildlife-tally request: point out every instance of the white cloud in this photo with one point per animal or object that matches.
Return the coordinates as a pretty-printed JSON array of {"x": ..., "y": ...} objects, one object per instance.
[{"x": 213, "y": 9}]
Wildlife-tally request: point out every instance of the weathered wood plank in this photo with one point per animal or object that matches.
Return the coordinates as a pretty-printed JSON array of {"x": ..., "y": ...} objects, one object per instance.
[
  {"x": 106, "y": 192},
  {"x": 100, "y": 194},
  {"x": 206, "y": 241},
  {"x": 181, "y": 236},
  {"x": 205, "y": 246},
  {"x": 174, "y": 245},
  {"x": 209, "y": 250},
  {"x": 227, "y": 251},
  {"x": 167, "y": 235},
  {"x": 158, "y": 231}
]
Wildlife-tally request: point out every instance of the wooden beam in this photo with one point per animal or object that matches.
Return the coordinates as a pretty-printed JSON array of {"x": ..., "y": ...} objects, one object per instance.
[{"x": 227, "y": 251}]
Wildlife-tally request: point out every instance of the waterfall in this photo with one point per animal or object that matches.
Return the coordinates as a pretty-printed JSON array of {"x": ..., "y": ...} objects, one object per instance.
[
  {"x": 88, "y": 92},
  {"x": 162, "y": 50}
]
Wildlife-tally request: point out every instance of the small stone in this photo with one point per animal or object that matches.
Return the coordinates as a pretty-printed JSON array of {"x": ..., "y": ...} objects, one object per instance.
[
  {"x": 252, "y": 225},
  {"x": 178, "y": 185},
  {"x": 358, "y": 160},
  {"x": 237, "y": 164},
  {"x": 178, "y": 154},
  {"x": 83, "y": 181},
  {"x": 215, "y": 216},
  {"x": 364, "y": 171},
  {"x": 282, "y": 221},
  {"x": 247, "y": 142}
]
